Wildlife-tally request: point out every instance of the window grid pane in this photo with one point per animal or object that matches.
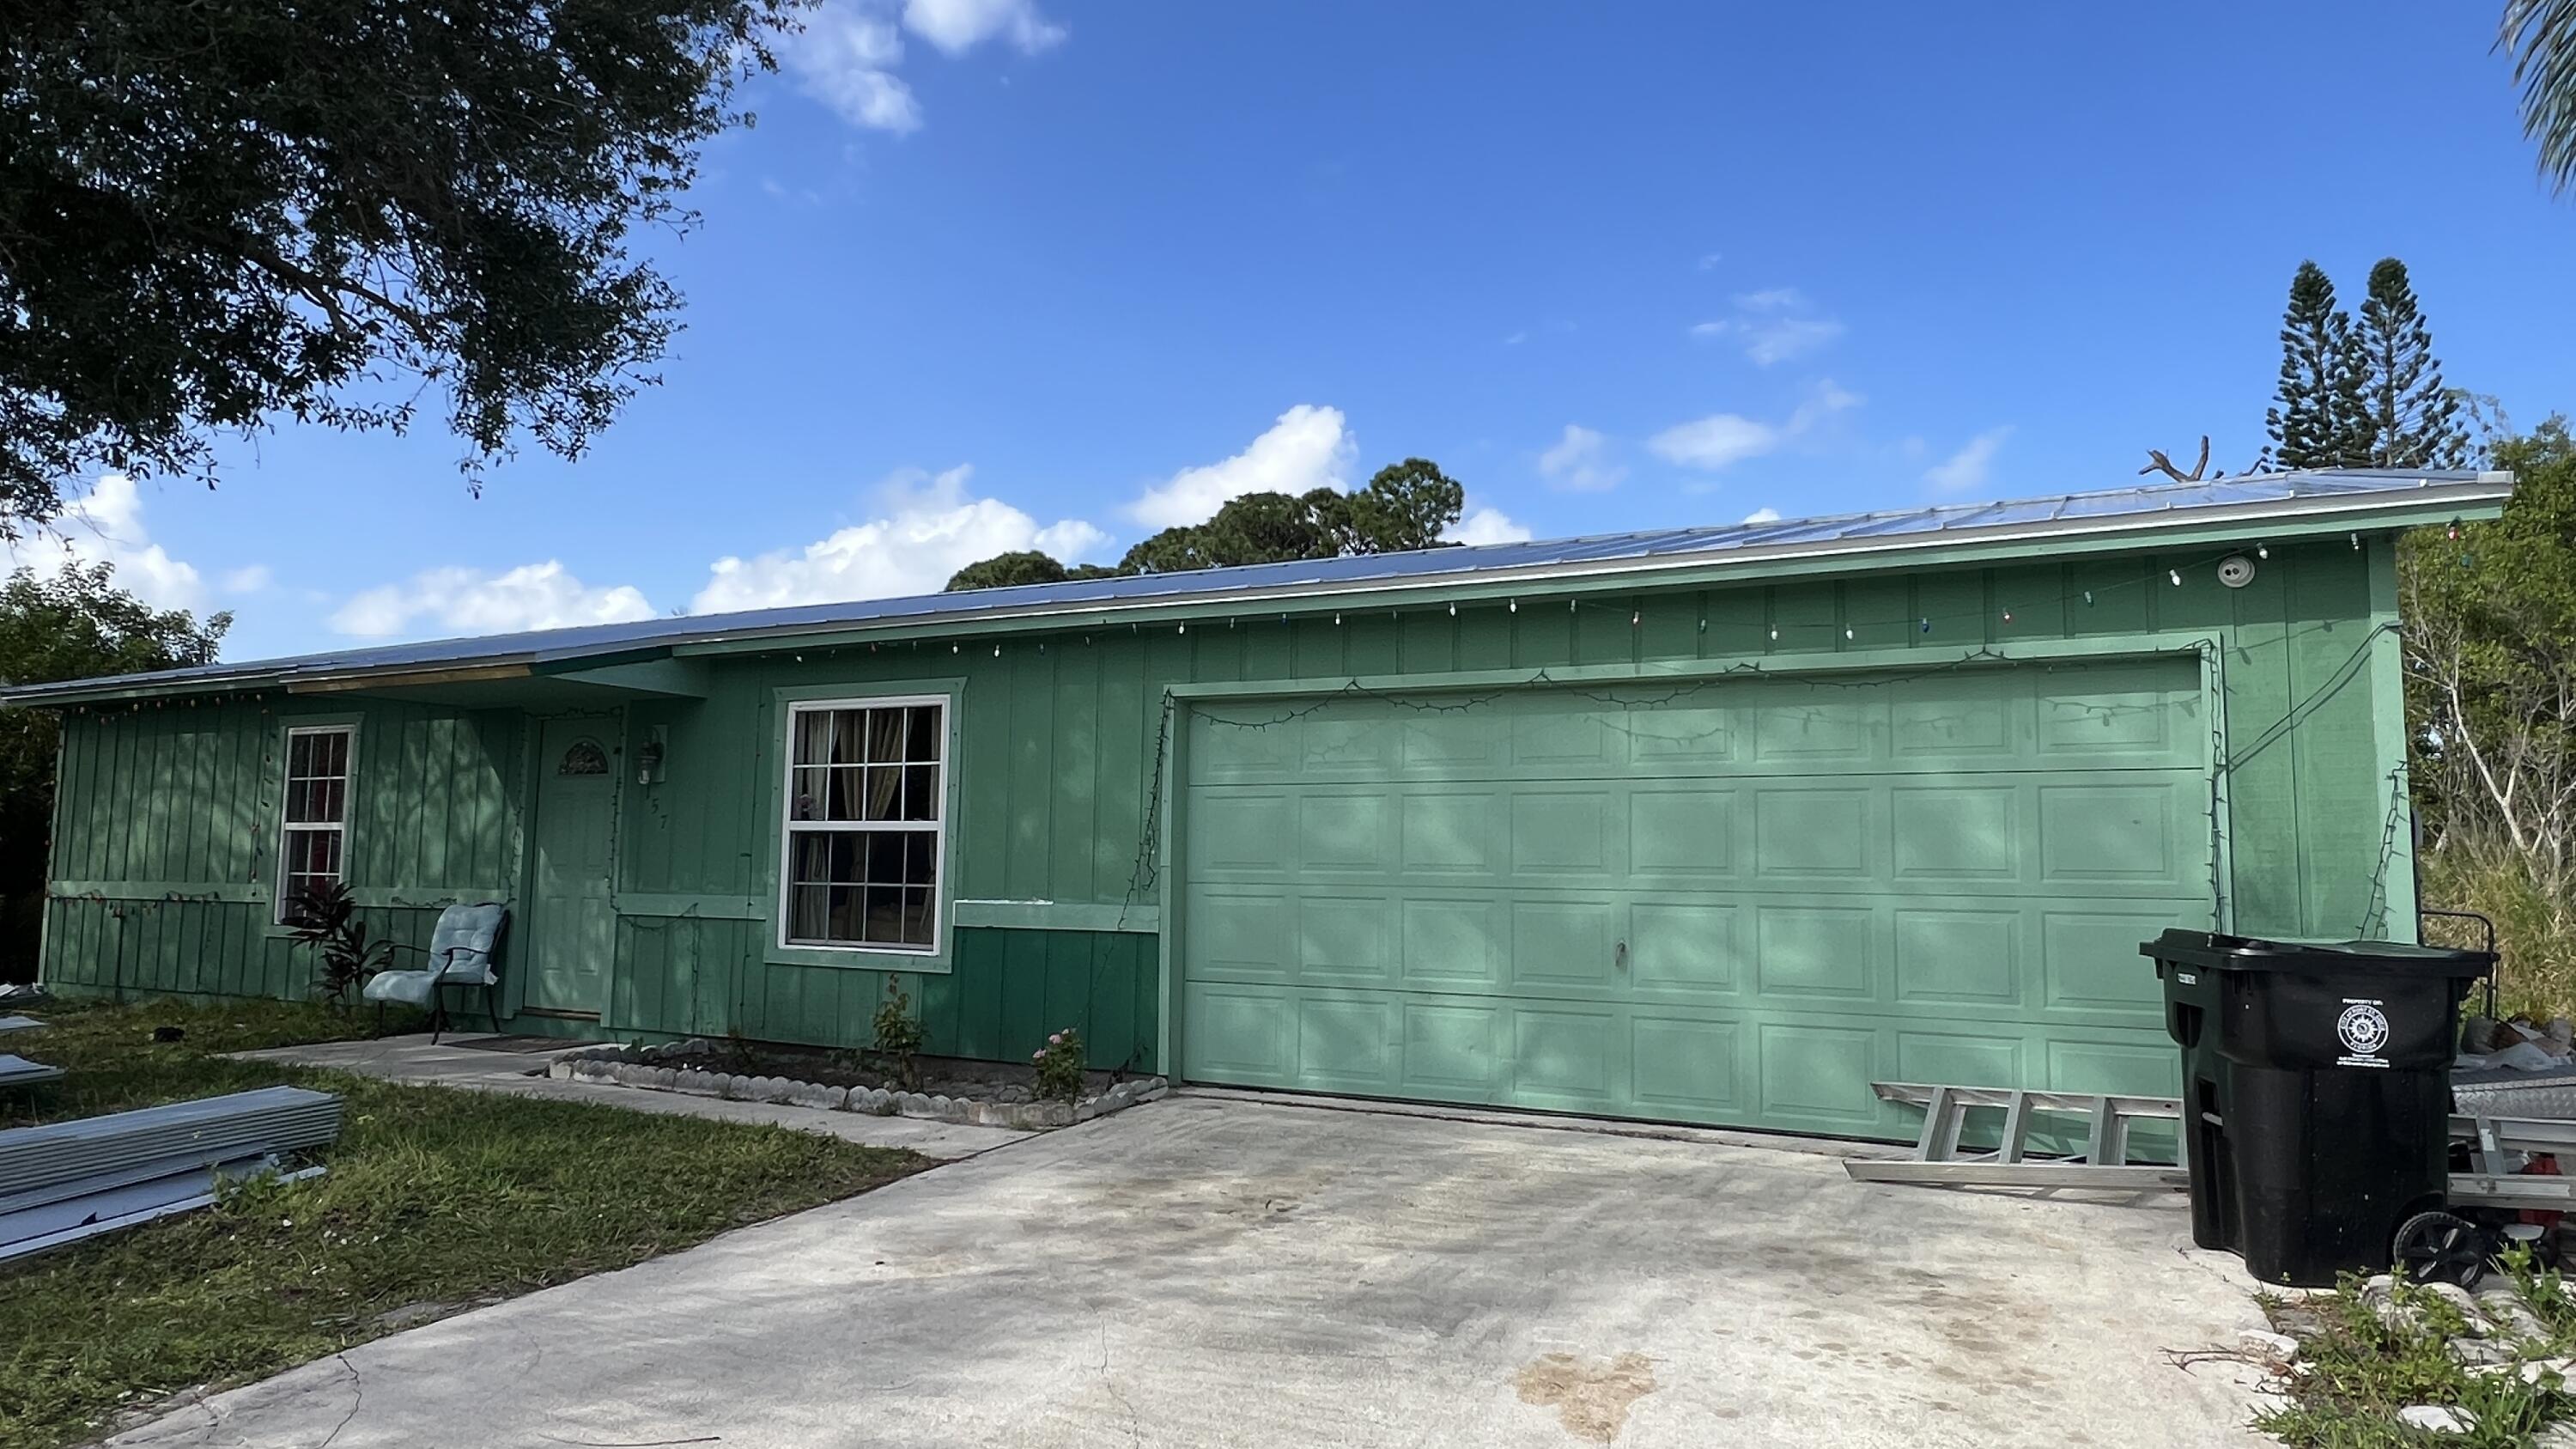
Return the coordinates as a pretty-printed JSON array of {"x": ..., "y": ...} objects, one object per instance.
[
  {"x": 863, "y": 825},
  {"x": 312, "y": 809}
]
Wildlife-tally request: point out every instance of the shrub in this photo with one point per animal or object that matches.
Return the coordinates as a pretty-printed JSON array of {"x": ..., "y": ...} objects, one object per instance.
[
  {"x": 1059, "y": 1066},
  {"x": 899, "y": 1035},
  {"x": 326, "y": 923}
]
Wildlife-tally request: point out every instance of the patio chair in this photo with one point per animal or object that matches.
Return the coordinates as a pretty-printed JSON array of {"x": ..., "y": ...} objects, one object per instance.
[{"x": 461, "y": 953}]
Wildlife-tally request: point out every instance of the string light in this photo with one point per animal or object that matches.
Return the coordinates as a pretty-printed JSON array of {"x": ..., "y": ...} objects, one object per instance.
[
  {"x": 1927, "y": 626},
  {"x": 2262, "y": 550},
  {"x": 1516, "y": 606},
  {"x": 1453, "y": 608},
  {"x": 1185, "y": 628},
  {"x": 1636, "y": 617},
  {"x": 1847, "y": 631},
  {"x": 2356, "y": 543},
  {"x": 2176, "y": 576}
]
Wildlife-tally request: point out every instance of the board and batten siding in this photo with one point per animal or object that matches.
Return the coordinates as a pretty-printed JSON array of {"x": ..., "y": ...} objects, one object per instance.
[{"x": 1057, "y": 751}]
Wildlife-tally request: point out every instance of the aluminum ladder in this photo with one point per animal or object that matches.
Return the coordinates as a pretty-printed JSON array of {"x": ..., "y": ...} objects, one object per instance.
[{"x": 2104, "y": 1163}]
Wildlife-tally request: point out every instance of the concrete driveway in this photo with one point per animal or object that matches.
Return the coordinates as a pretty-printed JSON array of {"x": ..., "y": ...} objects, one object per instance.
[{"x": 1222, "y": 1272}]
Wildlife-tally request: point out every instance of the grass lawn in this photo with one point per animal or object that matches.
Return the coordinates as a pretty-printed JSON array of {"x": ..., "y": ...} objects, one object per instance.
[{"x": 434, "y": 1197}]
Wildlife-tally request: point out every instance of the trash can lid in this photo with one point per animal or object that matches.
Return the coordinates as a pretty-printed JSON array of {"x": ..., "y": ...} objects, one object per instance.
[{"x": 2216, "y": 951}]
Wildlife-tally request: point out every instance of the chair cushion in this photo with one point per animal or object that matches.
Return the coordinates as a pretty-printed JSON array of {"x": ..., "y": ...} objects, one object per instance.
[
  {"x": 460, "y": 946},
  {"x": 411, "y": 988}
]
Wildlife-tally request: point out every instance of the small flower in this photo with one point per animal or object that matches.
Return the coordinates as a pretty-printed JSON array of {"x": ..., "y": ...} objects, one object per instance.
[
  {"x": 1037, "y": 1056},
  {"x": 1055, "y": 1038}
]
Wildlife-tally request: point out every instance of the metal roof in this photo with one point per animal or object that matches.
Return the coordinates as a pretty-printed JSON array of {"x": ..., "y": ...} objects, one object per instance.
[{"x": 2326, "y": 499}]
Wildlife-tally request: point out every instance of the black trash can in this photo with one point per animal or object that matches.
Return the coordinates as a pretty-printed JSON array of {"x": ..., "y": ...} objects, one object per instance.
[{"x": 2316, "y": 1095}]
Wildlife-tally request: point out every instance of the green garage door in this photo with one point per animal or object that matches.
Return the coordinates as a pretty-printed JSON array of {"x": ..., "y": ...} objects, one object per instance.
[{"x": 1739, "y": 906}]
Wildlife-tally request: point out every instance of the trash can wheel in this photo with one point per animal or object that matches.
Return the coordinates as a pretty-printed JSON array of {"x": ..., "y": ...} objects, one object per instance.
[{"x": 2441, "y": 1247}]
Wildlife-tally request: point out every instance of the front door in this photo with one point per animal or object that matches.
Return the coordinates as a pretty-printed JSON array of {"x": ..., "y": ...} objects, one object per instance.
[{"x": 571, "y": 925}]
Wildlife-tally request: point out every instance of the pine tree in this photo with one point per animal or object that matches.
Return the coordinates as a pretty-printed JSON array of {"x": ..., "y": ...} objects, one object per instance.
[
  {"x": 2320, "y": 416},
  {"x": 2412, "y": 418}
]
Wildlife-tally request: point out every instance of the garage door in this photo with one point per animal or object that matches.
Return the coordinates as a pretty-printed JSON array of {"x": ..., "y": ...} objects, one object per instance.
[{"x": 1738, "y": 906}]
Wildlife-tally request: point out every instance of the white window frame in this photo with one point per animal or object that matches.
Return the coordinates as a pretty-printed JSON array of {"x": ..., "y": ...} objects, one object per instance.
[
  {"x": 789, "y": 826},
  {"x": 287, "y": 829}
]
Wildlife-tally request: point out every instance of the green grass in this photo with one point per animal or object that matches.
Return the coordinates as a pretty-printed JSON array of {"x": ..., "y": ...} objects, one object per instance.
[
  {"x": 433, "y": 1196},
  {"x": 2359, "y": 1371}
]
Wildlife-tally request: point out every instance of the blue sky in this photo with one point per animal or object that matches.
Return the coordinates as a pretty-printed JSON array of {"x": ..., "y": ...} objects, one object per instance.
[{"x": 1003, "y": 273}]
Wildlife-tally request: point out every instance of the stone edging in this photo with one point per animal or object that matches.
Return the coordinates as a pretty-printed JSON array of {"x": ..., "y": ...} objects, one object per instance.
[{"x": 628, "y": 1067}]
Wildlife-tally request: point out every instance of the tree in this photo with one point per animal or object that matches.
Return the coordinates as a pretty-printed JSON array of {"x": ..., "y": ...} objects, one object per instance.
[
  {"x": 2317, "y": 416},
  {"x": 2490, "y": 651},
  {"x": 1406, "y": 505},
  {"x": 215, "y": 215},
  {"x": 1029, "y": 566},
  {"x": 2540, "y": 35},
  {"x": 1251, "y": 528},
  {"x": 2410, "y": 419},
  {"x": 74, "y": 625}
]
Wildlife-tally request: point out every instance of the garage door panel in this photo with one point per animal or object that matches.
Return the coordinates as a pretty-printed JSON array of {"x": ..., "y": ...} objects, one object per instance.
[
  {"x": 1449, "y": 834},
  {"x": 1562, "y": 835},
  {"x": 1682, "y": 830},
  {"x": 2125, "y": 831},
  {"x": 2082, "y": 968},
  {"x": 1345, "y": 831},
  {"x": 1242, "y": 934},
  {"x": 1233, "y": 830},
  {"x": 1739, "y": 908},
  {"x": 1573, "y": 1061},
  {"x": 1950, "y": 956},
  {"x": 1453, "y": 1046},
  {"x": 1346, "y": 940},
  {"x": 1562, "y": 945},
  {"x": 1811, "y": 833},
  {"x": 1349, "y": 1043},
  {"x": 1990, "y": 729},
  {"x": 1681, "y": 948},
  {"x": 1944, "y": 833},
  {"x": 1966, "y": 1058},
  {"x": 1816, "y": 952},
  {"x": 1458, "y": 944},
  {"x": 1696, "y": 738},
  {"x": 1822, "y": 732},
  {"x": 1807, "y": 1072},
  {"x": 1243, "y": 1034},
  {"x": 1686, "y": 1066}
]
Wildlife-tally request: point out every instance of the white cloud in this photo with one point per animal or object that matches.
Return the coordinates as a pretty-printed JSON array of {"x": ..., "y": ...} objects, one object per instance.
[
  {"x": 465, "y": 601},
  {"x": 1723, "y": 439},
  {"x": 1773, "y": 325},
  {"x": 1309, "y": 447},
  {"x": 1580, "y": 462},
  {"x": 1486, "y": 525},
  {"x": 957, "y": 26},
  {"x": 850, "y": 54},
  {"x": 846, "y": 58},
  {"x": 929, "y": 530},
  {"x": 1778, "y": 339},
  {"x": 252, "y": 580},
  {"x": 1967, "y": 468},
  {"x": 1763, "y": 515},
  {"x": 1708, "y": 260},
  {"x": 106, "y": 526},
  {"x": 1714, "y": 441}
]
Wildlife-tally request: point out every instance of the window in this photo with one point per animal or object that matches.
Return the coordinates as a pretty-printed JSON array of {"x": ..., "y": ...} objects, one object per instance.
[
  {"x": 582, "y": 758},
  {"x": 867, "y": 788},
  {"x": 313, "y": 830}
]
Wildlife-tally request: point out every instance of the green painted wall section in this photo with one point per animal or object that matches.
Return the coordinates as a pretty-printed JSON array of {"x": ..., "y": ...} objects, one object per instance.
[{"x": 1058, "y": 746}]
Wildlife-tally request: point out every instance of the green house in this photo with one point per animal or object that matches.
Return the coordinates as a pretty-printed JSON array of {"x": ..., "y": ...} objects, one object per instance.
[{"x": 1709, "y": 825}]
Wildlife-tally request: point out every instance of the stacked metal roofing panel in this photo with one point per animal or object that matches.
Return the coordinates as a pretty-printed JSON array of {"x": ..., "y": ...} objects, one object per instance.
[{"x": 69, "y": 1180}]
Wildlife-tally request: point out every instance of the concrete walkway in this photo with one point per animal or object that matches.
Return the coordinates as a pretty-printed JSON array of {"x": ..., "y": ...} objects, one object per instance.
[
  {"x": 1205, "y": 1272},
  {"x": 454, "y": 1062}
]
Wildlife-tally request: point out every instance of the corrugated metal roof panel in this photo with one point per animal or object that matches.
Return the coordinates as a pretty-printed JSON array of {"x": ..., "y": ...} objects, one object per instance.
[{"x": 2289, "y": 493}]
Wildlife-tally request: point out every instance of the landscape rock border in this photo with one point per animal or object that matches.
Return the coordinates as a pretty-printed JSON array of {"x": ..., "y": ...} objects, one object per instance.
[{"x": 650, "y": 1069}]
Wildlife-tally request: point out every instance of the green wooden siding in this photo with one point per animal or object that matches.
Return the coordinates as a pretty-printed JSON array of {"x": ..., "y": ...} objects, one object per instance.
[{"x": 1055, "y": 771}]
